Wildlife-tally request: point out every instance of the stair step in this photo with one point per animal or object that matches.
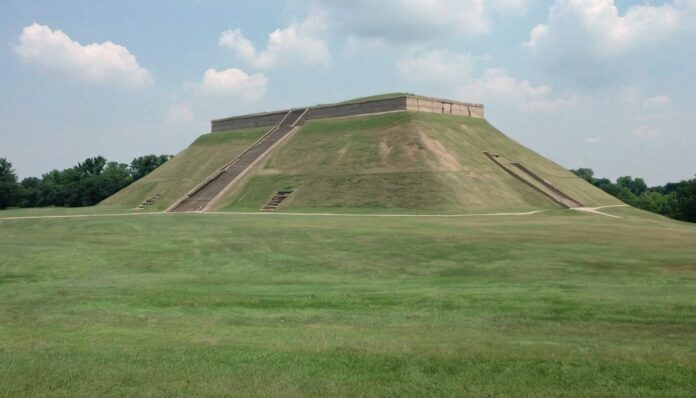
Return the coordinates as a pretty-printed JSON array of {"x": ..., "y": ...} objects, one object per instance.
[
  {"x": 148, "y": 201},
  {"x": 276, "y": 199}
]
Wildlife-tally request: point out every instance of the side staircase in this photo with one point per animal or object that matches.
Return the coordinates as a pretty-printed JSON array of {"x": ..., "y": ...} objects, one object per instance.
[
  {"x": 277, "y": 199},
  {"x": 203, "y": 196},
  {"x": 531, "y": 179},
  {"x": 148, "y": 202}
]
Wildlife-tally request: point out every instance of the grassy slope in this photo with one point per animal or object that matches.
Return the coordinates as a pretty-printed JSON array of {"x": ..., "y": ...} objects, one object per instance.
[
  {"x": 556, "y": 304},
  {"x": 404, "y": 161},
  {"x": 187, "y": 169}
]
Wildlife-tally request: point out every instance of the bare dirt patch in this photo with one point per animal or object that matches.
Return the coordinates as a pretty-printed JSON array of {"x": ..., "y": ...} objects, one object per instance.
[
  {"x": 445, "y": 159},
  {"x": 683, "y": 267},
  {"x": 342, "y": 152},
  {"x": 384, "y": 151}
]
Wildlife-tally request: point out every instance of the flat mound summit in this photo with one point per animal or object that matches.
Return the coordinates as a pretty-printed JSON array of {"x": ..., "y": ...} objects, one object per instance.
[{"x": 388, "y": 153}]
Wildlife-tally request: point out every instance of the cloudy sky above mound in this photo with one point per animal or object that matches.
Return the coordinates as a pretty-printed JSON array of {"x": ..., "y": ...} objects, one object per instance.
[{"x": 605, "y": 84}]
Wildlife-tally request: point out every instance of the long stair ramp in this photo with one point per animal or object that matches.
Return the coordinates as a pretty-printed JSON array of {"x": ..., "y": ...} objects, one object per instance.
[
  {"x": 205, "y": 194},
  {"x": 534, "y": 181},
  {"x": 562, "y": 196}
]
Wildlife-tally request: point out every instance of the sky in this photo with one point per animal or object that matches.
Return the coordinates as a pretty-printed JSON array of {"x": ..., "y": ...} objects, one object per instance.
[{"x": 605, "y": 84}]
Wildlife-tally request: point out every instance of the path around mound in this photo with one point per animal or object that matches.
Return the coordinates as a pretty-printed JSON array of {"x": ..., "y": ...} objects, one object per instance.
[
  {"x": 595, "y": 210},
  {"x": 592, "y": 210},
  {"x": 231, "y": 213}
]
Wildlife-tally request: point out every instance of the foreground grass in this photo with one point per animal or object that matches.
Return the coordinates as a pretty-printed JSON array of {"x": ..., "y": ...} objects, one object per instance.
[{"x": 554, "y": 304}]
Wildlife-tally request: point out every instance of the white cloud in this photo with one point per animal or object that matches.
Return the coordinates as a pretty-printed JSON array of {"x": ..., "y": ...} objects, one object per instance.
[
  {"x": 645, "y": 132},
  {"x": 234, "y": 82},
  {"x": 180, "y": 113},
  {"x": 436, "y": 65},
  {"x": 498, "y": 82},
  {"x": 97, "y": 63},
  {"x": 656, "y": 101},
  {"x": 593, "y": 140},
  {"x": 510, "y": 5},
  {"x": 456, "y": 72},
  {"x": 648, "y": 112},
  {"x": 298, "y": 43},
  {"x": 407, "y": 21},
  {"x": 595, "y": 28}
]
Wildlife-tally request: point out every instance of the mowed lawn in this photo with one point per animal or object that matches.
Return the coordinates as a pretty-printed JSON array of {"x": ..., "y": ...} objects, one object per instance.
[{"x": 553, "y": 304}]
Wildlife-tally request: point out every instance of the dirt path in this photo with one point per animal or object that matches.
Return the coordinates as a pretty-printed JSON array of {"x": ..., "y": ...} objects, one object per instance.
[
  {"x": 592, "y": 210},
  {"x": 230, "y": 213},
  {"x": 595, "y": 210}
]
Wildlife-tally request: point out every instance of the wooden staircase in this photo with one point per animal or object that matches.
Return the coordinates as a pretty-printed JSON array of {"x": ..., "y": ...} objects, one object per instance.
[{"x": 277, "y": 199}]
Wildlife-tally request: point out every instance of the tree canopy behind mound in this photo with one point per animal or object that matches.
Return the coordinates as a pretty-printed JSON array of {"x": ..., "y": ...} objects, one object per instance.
[
  {"x": 86, "y": 184},
  {"x": 675, "y": 199}
]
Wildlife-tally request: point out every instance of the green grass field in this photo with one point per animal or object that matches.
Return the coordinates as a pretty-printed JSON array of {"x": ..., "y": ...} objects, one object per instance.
[{"x": 554, "y": 304}]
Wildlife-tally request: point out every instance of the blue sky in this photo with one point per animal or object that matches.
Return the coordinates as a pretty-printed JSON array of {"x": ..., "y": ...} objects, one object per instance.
[{"x": 588, "y": 83}]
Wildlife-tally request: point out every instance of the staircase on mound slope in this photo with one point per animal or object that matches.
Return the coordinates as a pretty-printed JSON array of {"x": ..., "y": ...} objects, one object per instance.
[
  {"x": 205, "y": 194},
  {"x": 277, "y": 199},
  {"x": 534, "y": 181},
  {"x": 148, "y": 202}
]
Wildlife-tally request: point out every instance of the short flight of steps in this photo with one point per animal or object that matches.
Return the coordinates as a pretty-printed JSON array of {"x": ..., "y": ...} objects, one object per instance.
[
  {"x": 528, "y": 177},
  {"x": 277, "y": 199},
  {"x": 148, "y": 202}
]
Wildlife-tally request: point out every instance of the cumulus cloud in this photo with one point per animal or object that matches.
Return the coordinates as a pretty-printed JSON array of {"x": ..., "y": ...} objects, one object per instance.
[
  {"x": 596, "y": 27},
  {"x": 298, "y": 43},
  {"x": 657, "y": 101},
  {"x": 498, "y": 84},
  {"x": 496, "y": 81},
  {"x": 436, "y": 65},
  {"x": 457, "y": 72},
  {"x": 510, "y": 5},
  {"x": 645, "y": 132},
  {"x": 406, "y": 21},
  {"x": 180, "y": 113},
  {"x": 234, "y": 82},
  {"x": 105, "y": 62},
  {"x": 649, "y": 112},
  {"x": 593, "y": 140},
  {"x": 590, "y": 41}
]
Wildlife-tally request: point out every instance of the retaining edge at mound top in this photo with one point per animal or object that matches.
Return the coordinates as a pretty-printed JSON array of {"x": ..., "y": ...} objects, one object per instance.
[{"x": 400, "y": 103}]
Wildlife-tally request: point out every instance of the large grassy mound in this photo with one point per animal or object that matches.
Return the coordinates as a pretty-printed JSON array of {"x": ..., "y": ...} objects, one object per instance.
[
  {"x": 555, "y": 304},
  {"x": 187, "y": 169},
  {"x": 406, "y": 161}
]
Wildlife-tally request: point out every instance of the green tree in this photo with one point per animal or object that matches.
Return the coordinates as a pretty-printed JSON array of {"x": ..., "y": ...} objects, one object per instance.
[
  {"x": 29, "y": 192},
  {"x": 586, "y": 174},
  {"x": 636, "y": 186},
  {"x": 686, "y": 200},
  {"x": 144, "y": 165},
  {"x": 8, "y": 184},
  {"x": 92, "y": 166}
]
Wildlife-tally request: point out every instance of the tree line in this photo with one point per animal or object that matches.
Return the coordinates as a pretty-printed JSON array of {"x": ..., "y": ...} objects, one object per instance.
[
  {"x": 675, "y": 199},
  {"x": 86, "y": 184}
]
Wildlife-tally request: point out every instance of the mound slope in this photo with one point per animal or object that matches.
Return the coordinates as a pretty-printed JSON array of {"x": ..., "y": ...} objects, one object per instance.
[
  {"x": 406, "y": 161},
  {"x": 186, "y": 170},
  {"x": 403, "y": 161}
]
